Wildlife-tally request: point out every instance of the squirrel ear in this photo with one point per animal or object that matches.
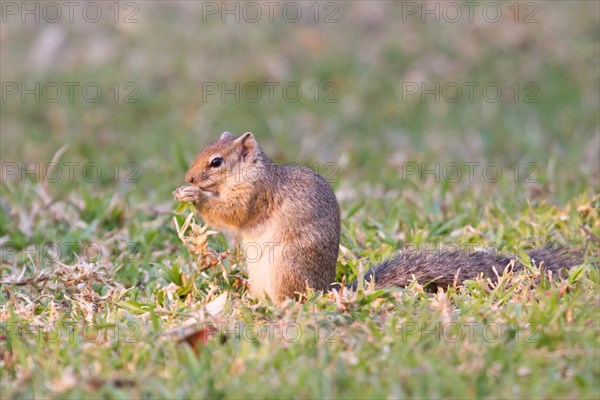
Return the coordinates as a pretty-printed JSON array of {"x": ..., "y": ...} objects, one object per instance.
[
  {"x": 249, "y": 145},
  {"x": 226, "y": 135}
]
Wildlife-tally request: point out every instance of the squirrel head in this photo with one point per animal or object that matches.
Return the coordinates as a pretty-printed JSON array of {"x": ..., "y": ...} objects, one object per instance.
[{"x": 221, "y": 161}]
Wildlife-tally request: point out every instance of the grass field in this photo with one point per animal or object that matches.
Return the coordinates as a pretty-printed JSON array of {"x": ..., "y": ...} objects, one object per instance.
[{"x": 469, "y": 134}]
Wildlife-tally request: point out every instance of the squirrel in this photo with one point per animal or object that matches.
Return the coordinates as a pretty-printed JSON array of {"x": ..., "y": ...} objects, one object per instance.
[{"x": 291, "y": 214}]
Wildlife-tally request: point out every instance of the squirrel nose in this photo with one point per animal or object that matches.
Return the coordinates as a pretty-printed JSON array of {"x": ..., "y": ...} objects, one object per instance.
[{"x": 190, "y": 178}]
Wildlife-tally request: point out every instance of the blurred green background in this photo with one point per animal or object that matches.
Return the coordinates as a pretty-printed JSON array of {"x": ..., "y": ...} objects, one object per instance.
[{"x": 362, "y": 55}]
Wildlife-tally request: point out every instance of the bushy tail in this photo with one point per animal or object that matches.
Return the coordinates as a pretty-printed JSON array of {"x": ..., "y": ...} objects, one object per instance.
[{"x": 440, "y": 269}]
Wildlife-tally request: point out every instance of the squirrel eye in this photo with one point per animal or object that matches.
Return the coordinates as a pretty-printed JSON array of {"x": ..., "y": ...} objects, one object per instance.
[{"x": 216, "y": 162}]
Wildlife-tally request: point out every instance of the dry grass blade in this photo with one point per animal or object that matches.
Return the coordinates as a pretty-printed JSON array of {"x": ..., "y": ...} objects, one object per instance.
[
  {"x": 441, "y": 303},
  {"x": 196, "y": 241}
]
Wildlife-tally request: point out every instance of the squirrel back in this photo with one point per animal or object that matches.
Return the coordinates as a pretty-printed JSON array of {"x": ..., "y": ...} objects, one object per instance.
[{"x": 288, "y": 220}]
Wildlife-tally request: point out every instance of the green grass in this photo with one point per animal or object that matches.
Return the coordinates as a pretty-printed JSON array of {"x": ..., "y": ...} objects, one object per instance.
[{"x": 126, "y": 287}]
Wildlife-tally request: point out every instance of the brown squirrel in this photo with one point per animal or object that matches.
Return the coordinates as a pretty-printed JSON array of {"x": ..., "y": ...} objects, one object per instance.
[{"x": 290, "y": 215}]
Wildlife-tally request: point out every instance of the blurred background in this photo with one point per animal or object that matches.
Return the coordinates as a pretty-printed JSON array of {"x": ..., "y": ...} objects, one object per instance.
[{"x": 368, "y": 87}]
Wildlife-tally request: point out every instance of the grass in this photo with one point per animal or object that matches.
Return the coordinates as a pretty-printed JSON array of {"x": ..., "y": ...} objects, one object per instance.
[{"x": 99, "y": 295}]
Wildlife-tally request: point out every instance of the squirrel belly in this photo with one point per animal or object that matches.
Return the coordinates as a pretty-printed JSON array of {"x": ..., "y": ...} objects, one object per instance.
[{"x": 444, "y": 268}]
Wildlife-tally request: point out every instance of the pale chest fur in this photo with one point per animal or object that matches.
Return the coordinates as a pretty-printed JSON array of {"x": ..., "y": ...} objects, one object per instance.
[{"x": 262, "y": 251}]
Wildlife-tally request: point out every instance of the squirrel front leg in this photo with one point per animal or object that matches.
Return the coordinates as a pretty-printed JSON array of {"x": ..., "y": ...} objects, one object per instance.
[
  {"x": 210, "y": 210},
  {"x": 190, "y": 194},
  {"x": 194, "y": 195},
  {"x": 207, "y": 209}
]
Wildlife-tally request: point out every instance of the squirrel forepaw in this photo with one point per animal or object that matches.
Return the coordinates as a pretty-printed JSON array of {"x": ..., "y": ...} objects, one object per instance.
[{"x": 187, "y": 194}]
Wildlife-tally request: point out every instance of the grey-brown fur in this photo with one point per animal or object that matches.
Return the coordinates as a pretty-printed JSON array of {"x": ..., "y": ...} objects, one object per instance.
[{"x": 311, "y": 240}]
